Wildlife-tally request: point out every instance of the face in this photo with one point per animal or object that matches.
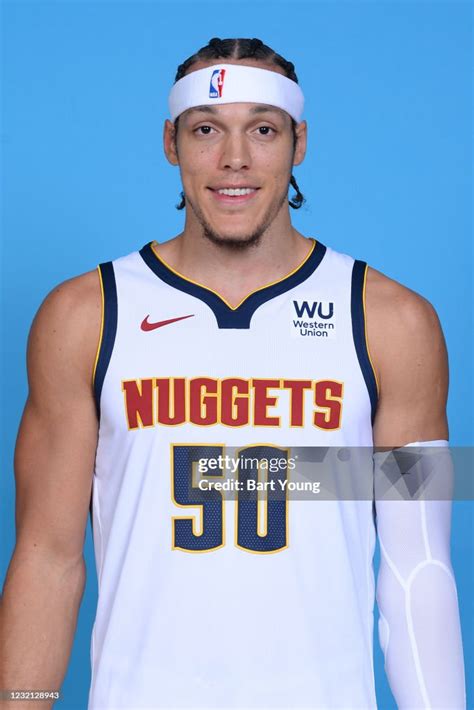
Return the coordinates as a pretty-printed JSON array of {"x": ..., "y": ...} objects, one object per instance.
[{"x": 236, "y": 162}]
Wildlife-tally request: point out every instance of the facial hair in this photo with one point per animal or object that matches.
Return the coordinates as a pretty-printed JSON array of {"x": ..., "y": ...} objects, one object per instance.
[{"x": 242, "y": 241}]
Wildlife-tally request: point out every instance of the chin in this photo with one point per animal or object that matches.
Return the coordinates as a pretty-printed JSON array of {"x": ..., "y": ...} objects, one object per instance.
[
  {"x": 242, "y": 232},
  {"x": 232, "y": 240},
  {"x": 226, "y": 233}
]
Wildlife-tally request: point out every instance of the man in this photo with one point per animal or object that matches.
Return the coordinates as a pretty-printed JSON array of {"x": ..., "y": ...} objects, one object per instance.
[{"x": 243, "y": 333}]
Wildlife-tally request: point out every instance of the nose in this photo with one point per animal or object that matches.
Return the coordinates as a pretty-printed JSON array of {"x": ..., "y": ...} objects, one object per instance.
[{"x": 235, "y": 152}]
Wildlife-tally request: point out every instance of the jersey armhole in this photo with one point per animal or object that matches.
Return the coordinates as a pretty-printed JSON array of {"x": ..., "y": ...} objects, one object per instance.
[
  {"x": 108, "y": 328},
  {"x": 359, "y": 331}
]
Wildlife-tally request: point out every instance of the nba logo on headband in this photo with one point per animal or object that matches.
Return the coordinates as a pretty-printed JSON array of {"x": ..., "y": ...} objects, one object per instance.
[{"x": 217, "y": 84}]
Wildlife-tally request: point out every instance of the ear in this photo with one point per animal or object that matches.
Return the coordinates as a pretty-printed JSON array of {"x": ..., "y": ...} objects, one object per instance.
[
  {"x": 169, "y": 142},
  {"x": 301, "y": 142}
]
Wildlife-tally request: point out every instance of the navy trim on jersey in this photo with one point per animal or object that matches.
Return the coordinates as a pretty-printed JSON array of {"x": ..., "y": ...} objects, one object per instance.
[
  {"x": 233, "y": 317},
  {"x": 109, "y": 329},
  {"x": 358, "y": 331},
  {"x": 91, "y": 513}
]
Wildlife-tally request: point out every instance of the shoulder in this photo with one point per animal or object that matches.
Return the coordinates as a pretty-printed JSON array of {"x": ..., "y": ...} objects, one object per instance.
[
  {"x": 390, "y": 299},
  {"x": 70, "y": 305},
  {"x": 66, "y": 329},
  {"x": 403, "y": 327}
]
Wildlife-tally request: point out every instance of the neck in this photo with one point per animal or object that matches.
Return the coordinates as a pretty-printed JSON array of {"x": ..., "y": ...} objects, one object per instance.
[{"x": 234, "y": 273}]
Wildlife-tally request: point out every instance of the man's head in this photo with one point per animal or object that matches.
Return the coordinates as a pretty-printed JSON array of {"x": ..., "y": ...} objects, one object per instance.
[{"x": 248, "y": 145}]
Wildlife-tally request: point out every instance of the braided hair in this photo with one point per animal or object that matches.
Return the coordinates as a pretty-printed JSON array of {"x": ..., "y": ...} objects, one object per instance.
[{"x": 242, "y": 49}]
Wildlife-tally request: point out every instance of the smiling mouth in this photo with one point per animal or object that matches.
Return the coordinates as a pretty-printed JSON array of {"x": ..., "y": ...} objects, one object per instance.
[
  {"x": 235, "y": 191},
  {"x": 231, "y": 195}
]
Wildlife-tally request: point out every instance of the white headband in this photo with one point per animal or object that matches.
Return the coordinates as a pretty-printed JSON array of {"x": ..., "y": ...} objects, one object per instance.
[{"x": 233, "y": 83}]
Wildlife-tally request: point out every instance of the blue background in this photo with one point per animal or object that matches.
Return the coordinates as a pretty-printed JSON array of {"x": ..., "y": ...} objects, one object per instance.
[{"x": 387, "y": 176}]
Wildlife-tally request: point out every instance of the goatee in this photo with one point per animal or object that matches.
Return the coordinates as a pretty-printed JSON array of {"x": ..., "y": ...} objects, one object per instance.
[{"x": 239, "y": 242}]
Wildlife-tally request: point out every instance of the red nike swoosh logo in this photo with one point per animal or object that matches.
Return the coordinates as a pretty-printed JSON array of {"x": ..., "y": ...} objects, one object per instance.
[{"x": 151, "y": 326}]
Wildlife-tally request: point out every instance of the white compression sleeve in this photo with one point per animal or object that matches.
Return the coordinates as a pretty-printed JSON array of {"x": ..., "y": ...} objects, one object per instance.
[{"x": 419, "y": 627}]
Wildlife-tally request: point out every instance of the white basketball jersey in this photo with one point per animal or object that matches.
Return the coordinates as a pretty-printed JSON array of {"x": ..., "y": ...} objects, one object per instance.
[{"x": 209, "y": 599}]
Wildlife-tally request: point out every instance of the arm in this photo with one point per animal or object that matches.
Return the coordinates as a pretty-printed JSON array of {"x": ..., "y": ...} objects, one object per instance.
[
  {"x": 54, "y": 461},
  {"x": 419, "y": 627}
]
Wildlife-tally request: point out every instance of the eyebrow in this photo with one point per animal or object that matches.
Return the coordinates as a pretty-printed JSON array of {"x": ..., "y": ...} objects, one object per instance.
[{"x": 263, "y": 108}]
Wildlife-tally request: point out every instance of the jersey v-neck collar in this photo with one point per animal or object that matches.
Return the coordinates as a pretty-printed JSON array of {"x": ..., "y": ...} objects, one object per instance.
[{"x": 226, "y": 315}]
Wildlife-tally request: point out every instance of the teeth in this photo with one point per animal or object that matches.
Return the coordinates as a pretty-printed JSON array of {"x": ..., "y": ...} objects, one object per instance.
[{"x": 236, "y": 191}]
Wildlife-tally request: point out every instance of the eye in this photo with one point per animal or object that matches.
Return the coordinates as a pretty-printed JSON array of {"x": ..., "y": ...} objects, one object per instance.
[
  {"x": 203, "y": 130},
  {"x": 265, "y": 130}
]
